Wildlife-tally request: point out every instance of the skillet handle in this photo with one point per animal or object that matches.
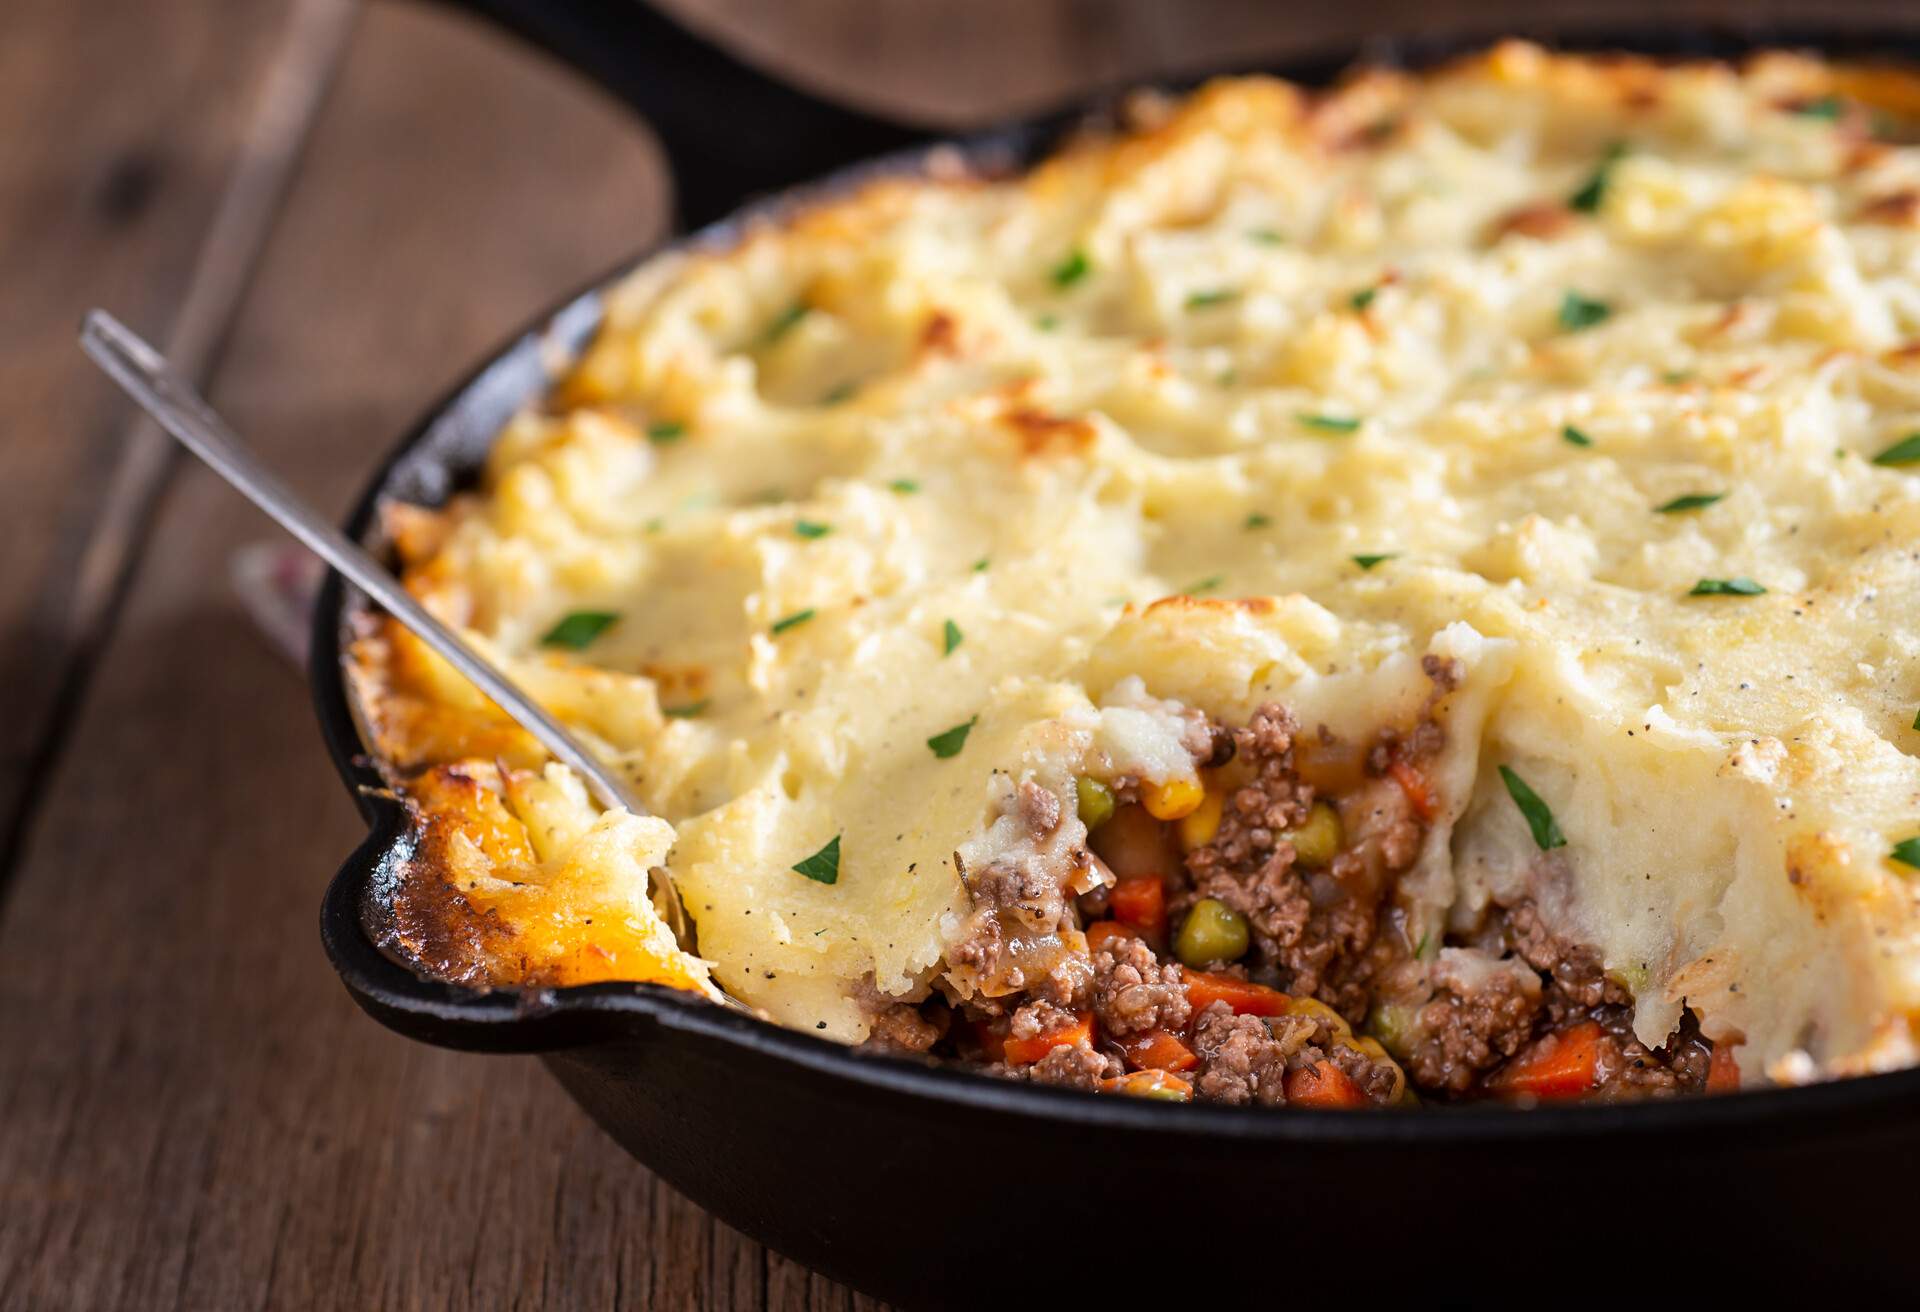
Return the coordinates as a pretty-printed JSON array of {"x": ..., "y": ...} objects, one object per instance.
[{"x": 730, "y": 132}]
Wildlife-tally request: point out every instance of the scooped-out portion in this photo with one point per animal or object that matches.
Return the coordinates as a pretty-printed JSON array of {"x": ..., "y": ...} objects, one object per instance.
[{"x": 1316, "y": 598}]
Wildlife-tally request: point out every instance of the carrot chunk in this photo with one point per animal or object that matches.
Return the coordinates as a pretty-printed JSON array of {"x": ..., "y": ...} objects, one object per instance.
[
  {"x": 1723, "y": 1072},
  {"x": 1322, "y": 1085},
  {"x": 1414, "y": 784},
  {"x": 1021, "y": 1052},
  {"x": 1158, "y": 1050},
  {"x": 1102, "y": 932},
  {"x": 1204, "y": 988},
  {"x": 1140, "y": 903},
  {"x": 1559, "y": 1066}
]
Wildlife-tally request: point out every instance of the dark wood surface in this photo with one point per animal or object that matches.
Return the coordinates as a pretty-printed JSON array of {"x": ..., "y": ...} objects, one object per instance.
[{"x": 327, "y": 213}]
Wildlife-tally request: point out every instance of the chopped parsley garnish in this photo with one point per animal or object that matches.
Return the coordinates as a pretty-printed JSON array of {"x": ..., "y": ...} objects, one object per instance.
[
  {"x": 666, "y": 431},
  {"x": 799, "y": 617},
  {"x": 1258, "y": 520},
  {"x": 1328, "y": 423},
  {"x": 1904, "y": 452},
  {"x": 783, "y": 322},
  {"x": 1916, "y": 721},
  {"x": 1361, "y": 299},
  {"x": 1546, "y": 830},
  {"x": 1266, "y": 237},
  {"x": 1207, "y": 584},
  {"x": 1368, "y": 562},
  {"x": 1218, "y": 296},
  {"x": 1578, "y": 313},
  {"x": 809, "y": 528},
  {"x": 980, "y": 565},
  {"x": 579, "y": 629},
  {"x": 1907, "y": 852},
  {"x": 686, "y": 712},
  {"x": 823, "y": 867},
  {"x": 1736, "y": 587},
  {"x": 1046, "y": 323},
  {"x": 1575, "y": 436},
  {"x": 1072, "y": 269},
  {"x": 1691, "y": 501},
  {"x": 904, "y": 486},
  {"x": 1829, "y": 108},
  {"x": 1675, "y": 377},
  {"x": 950, "y": 637},
  {"x": 838, "y": 395},
  {"x": 1594, "y": 190},
  {"x": 948, "y": 744}
]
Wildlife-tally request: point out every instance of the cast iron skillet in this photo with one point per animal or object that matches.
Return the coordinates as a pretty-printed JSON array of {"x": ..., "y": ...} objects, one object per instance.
[{"x": 935, "y": 1188}]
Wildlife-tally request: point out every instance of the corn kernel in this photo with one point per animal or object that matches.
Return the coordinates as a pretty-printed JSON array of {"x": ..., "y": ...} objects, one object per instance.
[
  {"x": 1199, "y": 825},
  {"x": 1173, "y": 799}
]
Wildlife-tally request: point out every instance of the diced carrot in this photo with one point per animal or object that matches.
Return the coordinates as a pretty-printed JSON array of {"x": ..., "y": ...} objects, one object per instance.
[
  {"x": 1020, "y": 1052},
  {"x": 1158, "y": 1050},
  {"x": 1414, "y": 784},
  {"x": 1150, "y": 1084},
  {"x": 1102, "y": 932},
  {"x": 1723, "y": 1072},
  {"x": 1559, "y": 1066},
  {"x": 1322, "y": 1085},
  {"x": 1204, "y": 988},
  {"x": 1141, "y": 903}
]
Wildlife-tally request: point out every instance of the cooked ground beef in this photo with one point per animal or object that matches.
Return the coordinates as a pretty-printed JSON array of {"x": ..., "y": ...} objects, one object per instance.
[
  {"x": 1074, "y": 1066},
  {"x": 1133, "y": 992},
  {"x": 1481, "y": 1012},
  {"x": 1327, "y": 947}
]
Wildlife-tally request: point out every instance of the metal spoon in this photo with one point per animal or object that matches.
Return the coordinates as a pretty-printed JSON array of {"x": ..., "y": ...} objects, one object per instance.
[{"x": 147, "y": 377}]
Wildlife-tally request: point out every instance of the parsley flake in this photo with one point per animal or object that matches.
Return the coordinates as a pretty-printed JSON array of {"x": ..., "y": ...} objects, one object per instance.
[
  {"x": 799, "y": 617},
  {"x": 1072, "y": 269},
  {"x": 1691, "y": 501},
  {"x": 1328, "y": 423},
  {"x": 1206, "y": 299},
  {"x": 1736, "y": 587},
  {"x": 686, "y": 712},
  {"x": 839, "y": 395},
  {"x": 1907, "y": 852},
  {"x": 1207, "y": 584},
  {"x": 666, "y": 431},
  {"x": 948, "y": 744},
  {"x": 1046, "y": 323},
  {"x": 1361, "y": 299},
  {"x": 579, "y": 629},
  {"x": 904, "y": 486},
  {"x": 1266, "y": 236},
  {"x": 1578, "y": 313},
  {"x": 1574, "y": 436},
  {"x": 783, "y": 322},
  {"x": 980, "y": 565},
  {"x": 950, "y": 637},
  {"x": 823, "y": 867},
  {"x": 1258, "y": 520},
  {"x": 1916, "y": 721},
  {"x": 808, "y": 528},
  {"x": 1828, "y": 108},
  {"x": 1904, "y": 452},
  {"x": 1546, "y": 830},
  {"x": 1368, "y": 562},
  {"x": 1594, "y": 190}
]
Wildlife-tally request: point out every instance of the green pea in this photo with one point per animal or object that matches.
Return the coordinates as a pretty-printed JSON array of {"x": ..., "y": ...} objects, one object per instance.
[
  {"x": 1096, "y": 801},
  {"x": 1213, "y": 932},
  {"x": 1318, "y": 841}
]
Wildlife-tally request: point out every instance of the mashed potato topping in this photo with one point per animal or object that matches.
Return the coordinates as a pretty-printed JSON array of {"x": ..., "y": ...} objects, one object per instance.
[{"x": 1598, "y": 378}]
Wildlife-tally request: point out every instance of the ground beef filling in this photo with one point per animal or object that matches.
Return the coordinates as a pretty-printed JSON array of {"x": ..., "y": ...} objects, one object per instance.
[{"x": 1307, "y": 990}]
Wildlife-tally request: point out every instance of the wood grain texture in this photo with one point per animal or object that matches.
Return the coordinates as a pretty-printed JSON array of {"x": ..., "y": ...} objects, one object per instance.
[{"x": 192, "y": 1114}]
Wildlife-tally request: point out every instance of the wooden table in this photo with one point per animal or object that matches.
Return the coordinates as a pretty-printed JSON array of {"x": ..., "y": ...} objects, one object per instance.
[{"x": 327, "y": 212}]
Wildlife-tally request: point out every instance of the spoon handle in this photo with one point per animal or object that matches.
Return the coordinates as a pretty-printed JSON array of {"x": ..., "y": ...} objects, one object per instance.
[{"x": 146, "y": 376}]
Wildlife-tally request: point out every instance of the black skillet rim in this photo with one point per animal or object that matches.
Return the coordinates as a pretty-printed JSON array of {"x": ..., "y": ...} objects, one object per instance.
[{"x": 548, "y": 1020}]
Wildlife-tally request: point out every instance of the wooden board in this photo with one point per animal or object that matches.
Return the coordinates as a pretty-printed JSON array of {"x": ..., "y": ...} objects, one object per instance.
[{"x": 192, "y": 1114}]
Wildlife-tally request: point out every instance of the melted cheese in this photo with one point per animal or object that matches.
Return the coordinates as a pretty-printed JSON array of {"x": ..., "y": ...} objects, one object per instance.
[{"x": 1125, "y": 423}]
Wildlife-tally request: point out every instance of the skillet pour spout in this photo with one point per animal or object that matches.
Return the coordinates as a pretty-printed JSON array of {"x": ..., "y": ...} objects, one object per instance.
[{"x": 921, "y": 1184}]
